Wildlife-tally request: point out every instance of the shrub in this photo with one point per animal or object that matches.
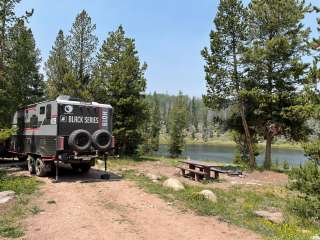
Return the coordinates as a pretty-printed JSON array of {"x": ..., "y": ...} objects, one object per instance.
[{"x": 306, "y": 180}]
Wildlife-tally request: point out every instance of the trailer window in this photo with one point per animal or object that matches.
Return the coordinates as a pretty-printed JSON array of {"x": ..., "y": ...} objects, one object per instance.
[
  {"x": 42, "y": 110},
  {"x": 48, "y": 112}
]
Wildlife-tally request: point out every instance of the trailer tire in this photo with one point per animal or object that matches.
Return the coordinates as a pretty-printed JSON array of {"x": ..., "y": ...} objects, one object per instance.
[
  {"x": 31, "y": 165},
  {"x": 102, "y": 139},
  {"x": 77, "y": 136},
  {"x": 40, "y": 168}
]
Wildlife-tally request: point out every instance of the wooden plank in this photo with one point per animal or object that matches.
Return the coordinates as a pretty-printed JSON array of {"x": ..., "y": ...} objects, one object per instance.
[
  {"x": 199, "y": 163},
  {"x": 192, "y": 170}
]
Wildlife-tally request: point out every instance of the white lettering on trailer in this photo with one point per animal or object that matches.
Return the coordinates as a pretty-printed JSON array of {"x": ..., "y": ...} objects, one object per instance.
[
  {"x": 91, "y": 120},
  {"x": 79, "y": 119},
  {"x": 75, "y": 119},
  {"x": 104, "y": 117}
]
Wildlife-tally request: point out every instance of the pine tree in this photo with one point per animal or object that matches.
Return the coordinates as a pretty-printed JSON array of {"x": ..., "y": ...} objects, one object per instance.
[
  {"x": 58, "y": 70},
  {"x": 224, "y": 70},
  {"x": 205, "y": 125},
  {"x": 26, "y": 83},
  {"x": 119, "y": 81},
  {"x": 194, "y": 116},
  {"x": 275, "y": 67},
  {"x": 7, "y": 19},
  {"x": 155, "y": 123},
  {"x": 82, "y": 44},
  {"x": 178, "y": 125}
]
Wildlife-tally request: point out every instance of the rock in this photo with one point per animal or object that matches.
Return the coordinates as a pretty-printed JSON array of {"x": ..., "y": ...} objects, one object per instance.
[
  {"x": 173, "y": 184},
  {"x": 275, "y": 217},
  {"x": 153, "y": 177},
  {"x": 208, "y": 194},
  {"x": 317, "y": 237},
  {"x": 6, "y": 196}
]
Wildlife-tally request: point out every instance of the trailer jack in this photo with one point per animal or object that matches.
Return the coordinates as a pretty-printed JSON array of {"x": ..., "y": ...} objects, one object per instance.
[{"x": 106, "y": 175}]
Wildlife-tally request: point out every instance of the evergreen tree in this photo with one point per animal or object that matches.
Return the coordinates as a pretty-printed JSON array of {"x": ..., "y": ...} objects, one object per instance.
[
  {"x": 205, "y": 125},
  {"x": 178, "y": 125},
  {"x": 82, "y": 44},
  {"x": 275, "y": 68},
  {"x": 58, "y": 70},
  {"x": 7, "y": 19},
  {"x": 26, "y": 83},
  {"x": 155, "y": 123},
  {"x": 194, "y": 116},
  {"x": 224, "y": 69},
  {"x": 119, "y": 81}
]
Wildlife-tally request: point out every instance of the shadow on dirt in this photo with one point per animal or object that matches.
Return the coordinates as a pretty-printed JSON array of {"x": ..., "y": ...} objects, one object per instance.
[{"x": 66, "y": 173}]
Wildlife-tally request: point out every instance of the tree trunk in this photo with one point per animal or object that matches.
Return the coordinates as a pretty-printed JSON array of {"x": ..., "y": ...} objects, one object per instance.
[
  {"x": 252, "y": 161},
  {"x": 267, "y": 160}
]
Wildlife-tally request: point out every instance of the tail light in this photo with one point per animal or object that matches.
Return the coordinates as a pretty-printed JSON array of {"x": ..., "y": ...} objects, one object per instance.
[{"x": 60, "y": 144}]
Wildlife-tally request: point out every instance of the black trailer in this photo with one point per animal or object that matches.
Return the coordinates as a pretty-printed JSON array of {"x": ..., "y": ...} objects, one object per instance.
[{"x": 63, "y": 130}]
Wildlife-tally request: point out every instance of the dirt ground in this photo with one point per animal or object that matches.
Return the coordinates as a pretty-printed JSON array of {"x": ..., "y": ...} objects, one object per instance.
[{"x": 85, "y": 207}]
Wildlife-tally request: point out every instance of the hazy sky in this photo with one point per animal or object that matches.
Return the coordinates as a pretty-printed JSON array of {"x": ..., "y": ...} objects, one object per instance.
[{"x": 169, "y": 34}]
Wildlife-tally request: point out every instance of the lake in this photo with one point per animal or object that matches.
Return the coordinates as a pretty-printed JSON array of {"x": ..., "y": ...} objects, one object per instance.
[{"x": 226, "y": 154}]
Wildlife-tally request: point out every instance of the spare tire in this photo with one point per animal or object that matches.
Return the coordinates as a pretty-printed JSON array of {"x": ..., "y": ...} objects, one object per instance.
[
  {"x": 80, "y": 140},
  {"x": 102, "y": 139}
]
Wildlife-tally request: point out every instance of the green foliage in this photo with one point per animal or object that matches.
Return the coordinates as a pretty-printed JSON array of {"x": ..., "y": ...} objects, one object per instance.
[
  {"x": 151, "y": 127},
  {"x": 20, "y": 185},
  {"x": 306, "y": 180},
  {"x": 275, "y": 68},
  {"x": 10, "y": 218},
  {"x": 12, "y": 51},
  {"x": 286, "y": 165},
  {"x": 6, "y": 133},
  {"x": 82, "y": 44},
  {"x": 155, "y": 123},
  {"x": 178, "y": 125},
  {"x": 26, "y": 84},
  {"x": 225, "y": 72},
  {"x": 119, "y": 81},
  {"x": 242, "y": 148},
  {"x": 60, "y": 79}
]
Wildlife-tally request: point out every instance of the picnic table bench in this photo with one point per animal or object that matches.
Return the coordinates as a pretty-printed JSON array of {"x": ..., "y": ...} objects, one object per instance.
[{"x": 199, "y": 170}]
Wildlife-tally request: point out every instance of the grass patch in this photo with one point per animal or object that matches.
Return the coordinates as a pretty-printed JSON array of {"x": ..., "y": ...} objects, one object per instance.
[
  {"x": 36, "y": 210},
  {"x": 24, "y": 187},
  {"x": 235, "y": 206},
  {"x": 18, "y": 184}
]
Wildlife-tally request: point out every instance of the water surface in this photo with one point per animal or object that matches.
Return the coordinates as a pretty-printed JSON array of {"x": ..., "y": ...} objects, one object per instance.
[{"x": 226, "y": 154}]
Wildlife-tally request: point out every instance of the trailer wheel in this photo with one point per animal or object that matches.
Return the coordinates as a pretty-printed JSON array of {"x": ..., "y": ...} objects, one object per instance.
[
  {"x": 80, "y": 140},
  {"x": 31, "y": 165},
  {"x": 102, "y": 139},
  {"x": 40, "y": 168}
]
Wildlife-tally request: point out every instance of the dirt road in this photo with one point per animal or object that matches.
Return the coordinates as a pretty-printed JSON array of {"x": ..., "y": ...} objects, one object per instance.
[{"x": 84, "y": 207}]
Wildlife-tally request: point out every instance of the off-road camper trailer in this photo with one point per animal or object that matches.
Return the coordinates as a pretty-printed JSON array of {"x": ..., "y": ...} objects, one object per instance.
[{"x": 65, "y": 129}]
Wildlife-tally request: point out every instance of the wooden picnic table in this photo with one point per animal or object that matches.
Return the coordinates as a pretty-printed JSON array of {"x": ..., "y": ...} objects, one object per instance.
[{"x": 200, "y": 170}]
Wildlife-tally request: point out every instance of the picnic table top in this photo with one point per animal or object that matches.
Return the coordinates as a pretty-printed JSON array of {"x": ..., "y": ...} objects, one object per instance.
[{"x": 201, "y": 163}]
